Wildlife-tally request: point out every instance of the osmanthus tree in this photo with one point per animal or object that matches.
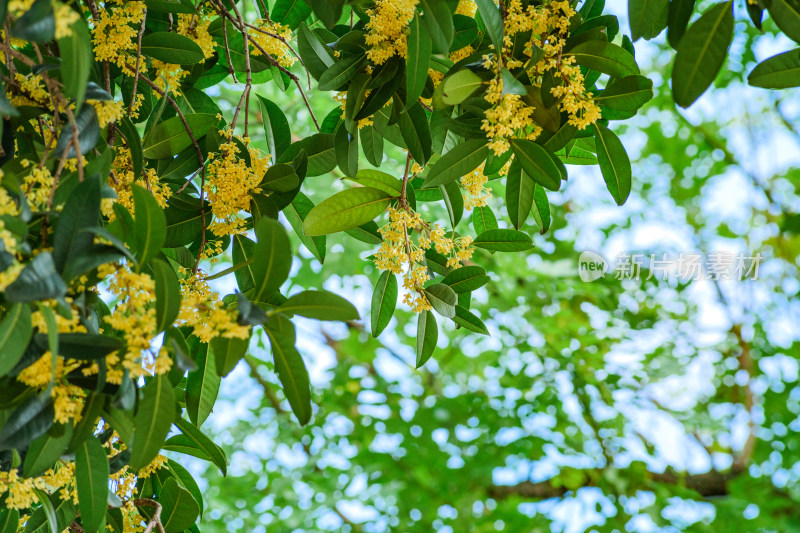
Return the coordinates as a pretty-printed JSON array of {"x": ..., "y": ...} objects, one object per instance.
[{"x": 124, "y": 180}]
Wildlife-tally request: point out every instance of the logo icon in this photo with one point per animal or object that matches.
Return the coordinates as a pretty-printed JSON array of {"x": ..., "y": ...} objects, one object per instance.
[{"x": 591, "y": 266}]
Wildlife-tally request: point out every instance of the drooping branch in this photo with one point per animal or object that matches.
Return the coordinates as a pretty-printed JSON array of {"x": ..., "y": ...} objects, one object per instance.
[{"x": 707, "y": 485}]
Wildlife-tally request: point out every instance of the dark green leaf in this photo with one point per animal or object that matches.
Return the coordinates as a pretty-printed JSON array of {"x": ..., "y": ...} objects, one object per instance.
[
  {"x": 290, "y": 12},
  {"x": 469, "y": 321},
  {"x": 152, "y": 421},
  {"x": 503, "y": 240},
  {"x": 202, "y": 386},
  {"x": 604, "y": 57},
  {"x": 427, "y": 335},
  {"x": 37, "y": 281},
  {"x": 460, "y": 161},
  {"x": 179, "y": 509},
  {"x": 466, "y": 279},
  {"x": 171, "y": 47},
  {"x": 201, "y": 441},
  {"x": 290, "y": 367},
  {"x": 701, "y": 53},
  {"x": 76, "y": 61},
  {"x": 519, "y": 195},
  {"x": 45, "y": 451},
  {"x": 384, "y": 301},
  {"x": 541, "y": 209},
  {"x": 777, "y": 72},
  {"x": 31, "y": 419},
  {"x": 614, "y": 163},
  {"x": 786, "y": 14},
  {"x": 15, "y": 332},
  {"x": 276, "y": 127},
  {"x": 490, "y": 14},
  {"x": 150, "y": 224},
  {"x": 170, "y": 138},
  {"x": 272, "y": 258},
  {"x": 168, "y": 295},
  {"x": 320, "y": 305},
  {"x": 647, "y": 17},
  {"x": 417, "y": 59},
  {"x": 537, "y": 163},
  {"x": 483, "y": 219},
  {"x": 678, "y": 16},
  {"x": 416, "y": 133},
  {"x": 345, "y": 210},
  {"x": 91, "y": 477},
  {"x": 296, "y": 213},
  {"x": 228, "y": 353}
]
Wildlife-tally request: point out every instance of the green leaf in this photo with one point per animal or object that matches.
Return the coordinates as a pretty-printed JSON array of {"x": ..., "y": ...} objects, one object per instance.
[
  {"x": 31, "y": 419},
  {"x": 384, "y": 302},
  {"x": 512, "y": 85},
  {"x": 346, "y": 146},
  {"x": 701, "y": 53},
  {"x": 377, "y": 179},
  {"x": 135, "y": 145},
  {"x": 416, "y": 133},
  {"x": 187, "y": 481},
  {"x": 290, "y": 12},
  {"x": 88, "y": 133},
  {"x": 459, "y": 86},
  {"x": 483, "y": 219},
  {"x": 519, "y": 195},
  {"x": 276, "y": 127},
  {"x": 777, "y": 72},
  {"x": 9, "y": 520},
  {"x": 171, "y": 47},
  {"x": 319, "y": 305},
  {"x": 150, "y": 226},
  {"x": 76, "y": 61},
  {"x": 442, "y": 298},
  {"x": 626, "y": 94},
  {"x": 272, "y": 258},
  {"x": 614, "y": 163},
  {"x": 170, "y": 138},
  {"x": 340, "y": 73},
  {"x": 87, "y": 346},
  {"x": 503, "y": 240},
  {"x": 647, "y": 17},
  {"x": 604, "y": 57},
  {"x": 91, "y": 476},
  {"x": 356, "y": 93},
  {"x": 786, "y": 14},
  {"x": 466, "y": 279},
  {"x": 16, "y": 329},
  {"x": 316, "y": 55},
  {"x": 71, "y": 243},
  {"x": 202, "y": 442},
  {"x": 438, "y": 20},
  {"x": 168, "y": 294},
  {"x": 345, "y": 210},
  {"x": 202, "y": 386},
  {"x": 453, "y": 201},
  {"x": 37, "y": 281},
  {"x": 541, "y": 209},
  {"x": 228, "y": 353},
  {"x": 418, "y": 59},
  {"x": 152, "y": 421},
  {"x": 289, "y": 364},
  {"x": 371, "y": 145},
  {"x": 280, "y": 177},
  {"x": 49, "y": 510},
  {"x": 427, "y": 335},
  {"x": 469, "y": 321},
  {"x": 460, "y": 161},
  {"x": 37, "y": 24},
  {"x": 537, "y": 163},
  {"x": 678, "y": 16},
  {"x": 490, "y": 14},
  {"x": 296, "y": 213},
  {"x": 179, "y": 508},
  {"x": 45, "y": 451}
]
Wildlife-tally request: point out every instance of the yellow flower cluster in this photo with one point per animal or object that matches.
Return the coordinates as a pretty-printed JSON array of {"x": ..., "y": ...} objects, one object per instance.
[
  {"x": 65, "y": 18},
  {"x": 510, "y": 116},
  {"x": 32, "y": 91},
  {"x": 400, "y": 252},
  {"x": 135, "y": 318},
  {"x": 114, "y": 34},
  {"x": 20, "y": 491},
  {"x": 466, "y": 8},
  {"x": 196, "y": 28},
  {"x": 122, "y": 178},
  {"x": 10, "y": 245},
  {"x": 387, "y": 29},
  {"x": 273, "y": 38},
  {"x": 474, "y": 184},
  {"x": 230, "y": 182},
  {"x": 169, "y": 76},
  {"x": 108, "y": 111},
  {"x": 202, "y": 310}
]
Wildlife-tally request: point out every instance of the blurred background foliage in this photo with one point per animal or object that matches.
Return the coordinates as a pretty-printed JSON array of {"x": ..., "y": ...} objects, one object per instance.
[{"x": 649, "y": 405}]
